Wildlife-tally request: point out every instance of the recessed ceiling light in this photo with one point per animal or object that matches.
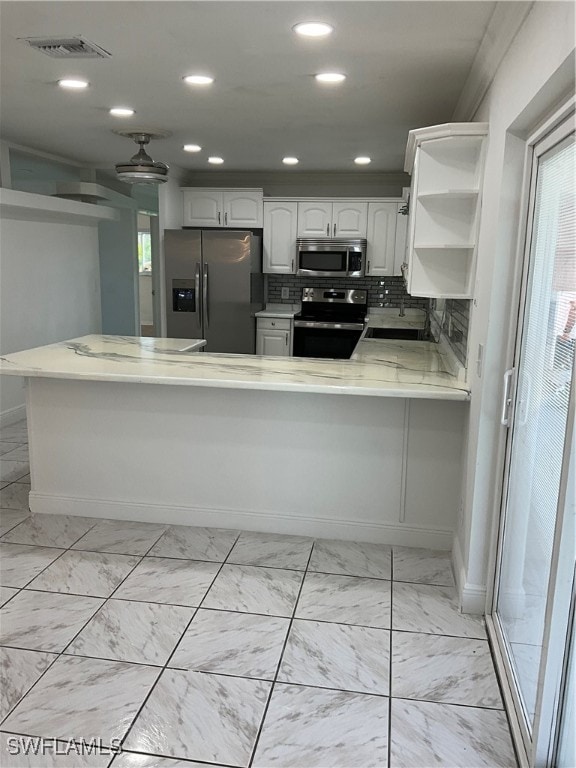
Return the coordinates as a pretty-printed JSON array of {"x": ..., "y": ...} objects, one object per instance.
[
  {"x": 330, "y": 77},
  {"x": 198, "y": 79},
  {"x": 191, "y": 148},
  {"x": 121, "y": 111},
  {"x": 215, "y": 160},
  {"x": 71, "y": 83},
  {"x": 313, "y": 29},
  {"x": 362, "y": 160},
  {"x": 290, "y": 160}
]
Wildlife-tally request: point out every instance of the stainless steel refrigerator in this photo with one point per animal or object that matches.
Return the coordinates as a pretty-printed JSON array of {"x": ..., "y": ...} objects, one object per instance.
[{"x": 214, "y": 285}]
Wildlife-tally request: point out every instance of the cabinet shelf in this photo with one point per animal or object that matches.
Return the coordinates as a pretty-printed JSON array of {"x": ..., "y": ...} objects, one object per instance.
[
  {"x": 447, "y": 163},
  {"x": 444, "y": 246},
  {"x": 449, "y": 194},
  {"x": 442, "y": 272}
]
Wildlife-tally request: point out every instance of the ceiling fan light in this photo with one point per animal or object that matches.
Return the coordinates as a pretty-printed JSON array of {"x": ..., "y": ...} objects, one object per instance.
[{"x": 141, "y": 169}]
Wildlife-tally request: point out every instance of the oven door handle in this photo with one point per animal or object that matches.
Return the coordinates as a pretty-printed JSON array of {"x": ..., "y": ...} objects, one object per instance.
[{"x": 329, "y": 326}]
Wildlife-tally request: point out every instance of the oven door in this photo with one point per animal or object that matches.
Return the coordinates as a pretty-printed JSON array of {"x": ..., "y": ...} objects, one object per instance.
[
  {"x": 322, "y": 261},
  {"x": 329, "y": 340}
]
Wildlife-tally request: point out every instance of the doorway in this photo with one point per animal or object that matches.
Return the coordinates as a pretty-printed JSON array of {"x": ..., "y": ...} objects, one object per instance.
[
  {"x": 532, "y": 617},
  {"x": 146, "y": 276}
]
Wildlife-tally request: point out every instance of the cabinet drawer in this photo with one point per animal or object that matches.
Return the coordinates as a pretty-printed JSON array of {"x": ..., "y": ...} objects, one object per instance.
[{"x": 274, "y": 323}]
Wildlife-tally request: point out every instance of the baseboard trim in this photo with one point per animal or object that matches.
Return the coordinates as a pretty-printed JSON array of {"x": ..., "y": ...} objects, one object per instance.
[
  {"x": 12, "y": 415},
  {"x": 472, "y": 597},
  {"x": 269, "y": 522}
]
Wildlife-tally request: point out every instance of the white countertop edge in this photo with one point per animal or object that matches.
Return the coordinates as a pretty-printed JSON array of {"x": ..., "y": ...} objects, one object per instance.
[
  {"x": 406, "y": 391},
  {"x": 278, "y": 310}
]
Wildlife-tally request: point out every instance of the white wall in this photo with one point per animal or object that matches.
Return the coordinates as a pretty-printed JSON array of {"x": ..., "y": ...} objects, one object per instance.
[
  {"x": 305, "y": 184},
  {"x": 146, "y": 312},
  {"x": 49, "y": 291},
  {"x": 170, "y": 216},
  {"x": 536, "y": 72}
]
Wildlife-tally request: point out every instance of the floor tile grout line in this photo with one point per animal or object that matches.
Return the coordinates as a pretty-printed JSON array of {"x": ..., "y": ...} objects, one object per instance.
[
  {"x": 291, "y": 622},
  {"x": 26, "y": 516},
  {"x": 79, "y": 741},
  {"x": 60, "y": 653},
  {"x": 106, "y": 599},
  {"x": 217, "y": 673},
  {"x": 114, "y": 596},
  {"x": 389, "y": 745},
  {"x": 279, "y": 664},
  {"x": 21, "y": 699},
  {"x": 165, "y": 666}
]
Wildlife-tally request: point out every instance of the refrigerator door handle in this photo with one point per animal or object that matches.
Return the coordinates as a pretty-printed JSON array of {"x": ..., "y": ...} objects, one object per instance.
[
  {"x": 197, "y": 288},
  {"x": 205, "y": 311}
]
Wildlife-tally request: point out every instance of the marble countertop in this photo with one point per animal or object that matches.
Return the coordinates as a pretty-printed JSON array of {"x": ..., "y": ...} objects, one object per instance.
[
  {"x": 279, "y": 310},
  {"x": 388, "y": 369},
  {"x": 389, "y": 317}
]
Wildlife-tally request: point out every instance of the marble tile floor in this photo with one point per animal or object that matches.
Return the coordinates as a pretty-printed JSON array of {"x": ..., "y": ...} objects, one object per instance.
[{"x": 211, "y": 647}]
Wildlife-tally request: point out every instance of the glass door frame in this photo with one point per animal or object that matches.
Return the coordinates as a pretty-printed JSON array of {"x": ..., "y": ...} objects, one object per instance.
[{"x": 533, "y": 749}]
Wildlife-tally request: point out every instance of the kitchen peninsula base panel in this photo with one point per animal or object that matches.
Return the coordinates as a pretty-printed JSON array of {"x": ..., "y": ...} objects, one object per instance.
[{"x": 335, "y": 466}]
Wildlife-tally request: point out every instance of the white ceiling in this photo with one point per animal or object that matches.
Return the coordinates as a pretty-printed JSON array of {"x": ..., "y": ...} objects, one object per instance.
[{"x": 406, "y": 64}]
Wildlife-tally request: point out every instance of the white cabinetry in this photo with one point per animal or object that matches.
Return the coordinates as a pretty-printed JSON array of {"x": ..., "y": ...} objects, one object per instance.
[
  {"x": 377, "y": 220},
  {"x": 381, "y": 249},
  {"x": 232, "y": 208},
  {"x": 332, "y": 219},
  {"x": 274, "y": 336},
  {"x": 280, "y": 227},
  {"x": 446, "y": 163}
]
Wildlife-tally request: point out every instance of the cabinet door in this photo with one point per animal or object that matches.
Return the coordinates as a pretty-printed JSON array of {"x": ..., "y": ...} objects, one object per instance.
[
  {"x": 401, "y": 245},
  {"x": 381, "y": 238},
  {"x": 349, "y": 219},
  {"x": 271, "y": 342},
  {"x": 280, "y": 226},
  {"x": 242, "y": 208},
  {"x": 202, "y": 207},
  {"x": 315, "y": 219}
]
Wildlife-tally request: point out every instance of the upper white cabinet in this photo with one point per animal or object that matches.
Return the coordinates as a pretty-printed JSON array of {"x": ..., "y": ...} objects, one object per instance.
[
  {"x": 381, "y": 249},
  {"x": 377, "y": 220},
  {"x": 232, "y": 208},
  {"x": 280, "y": 227},
  {"x": 446, "y": 163},
  {"x": 349, "y": 219},
  {"x": 332, "y": 219}
]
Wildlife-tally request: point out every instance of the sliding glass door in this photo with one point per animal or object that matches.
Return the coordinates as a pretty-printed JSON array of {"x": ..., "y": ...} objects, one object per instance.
[{"x": 538, "y": 401}]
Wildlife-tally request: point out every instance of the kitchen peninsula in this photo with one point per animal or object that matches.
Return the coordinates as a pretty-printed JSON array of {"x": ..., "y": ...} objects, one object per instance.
[{"x": 152, "y": 430}]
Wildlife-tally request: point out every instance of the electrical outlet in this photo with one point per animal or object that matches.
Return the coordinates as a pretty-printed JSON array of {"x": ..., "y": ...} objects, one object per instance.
[
  {"x": 285, "y": 292},
  {"x": 479, "y": 360}
]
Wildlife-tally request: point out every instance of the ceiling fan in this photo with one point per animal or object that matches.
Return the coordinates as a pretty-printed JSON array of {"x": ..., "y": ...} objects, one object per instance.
[{"x": 141, "y": 169}]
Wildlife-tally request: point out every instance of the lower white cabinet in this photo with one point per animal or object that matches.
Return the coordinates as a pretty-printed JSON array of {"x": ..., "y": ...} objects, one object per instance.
[{"x": 274, "y": 336}]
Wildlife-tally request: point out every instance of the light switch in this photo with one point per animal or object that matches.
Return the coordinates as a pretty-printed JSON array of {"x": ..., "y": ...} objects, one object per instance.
[{"x": 285, "y": 292}]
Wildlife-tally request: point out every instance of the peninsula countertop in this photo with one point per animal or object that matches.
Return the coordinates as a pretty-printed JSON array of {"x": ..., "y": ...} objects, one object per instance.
[{"x": 387, "y": 369}]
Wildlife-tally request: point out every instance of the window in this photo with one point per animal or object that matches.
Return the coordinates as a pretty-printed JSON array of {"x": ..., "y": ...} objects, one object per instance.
[{"x": 144, "y": 251}]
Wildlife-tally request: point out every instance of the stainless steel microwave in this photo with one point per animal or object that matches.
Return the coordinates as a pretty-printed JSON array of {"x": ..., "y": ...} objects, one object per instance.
[{"x": 330, "y": 258}]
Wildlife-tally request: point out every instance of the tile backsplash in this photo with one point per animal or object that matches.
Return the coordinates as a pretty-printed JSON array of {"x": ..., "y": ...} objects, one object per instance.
[
  {"x": 381, "y": 290},
  {"x": 451, "y": 321}
]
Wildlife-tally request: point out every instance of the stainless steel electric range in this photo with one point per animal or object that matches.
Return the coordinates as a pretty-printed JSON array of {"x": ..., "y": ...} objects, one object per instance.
[{"x": 330, "y": 323}]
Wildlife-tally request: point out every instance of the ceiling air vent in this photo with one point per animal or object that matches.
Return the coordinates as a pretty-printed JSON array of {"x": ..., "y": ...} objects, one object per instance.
[{"x": 67, "y": 47}]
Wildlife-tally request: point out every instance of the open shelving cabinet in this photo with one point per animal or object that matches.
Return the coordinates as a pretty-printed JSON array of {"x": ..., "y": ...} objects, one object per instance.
[{"x": 446, "y": 163}]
